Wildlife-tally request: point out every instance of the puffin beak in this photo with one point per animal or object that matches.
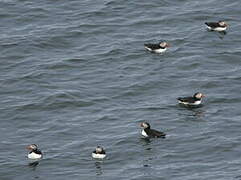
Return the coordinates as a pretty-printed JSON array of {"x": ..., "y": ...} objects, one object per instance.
[
  {"x": 203, "y": 96},
  {"x": 141, "y": 125},
  {"x": 168, "y": 45},
  {"x": 28, "y": 148}
]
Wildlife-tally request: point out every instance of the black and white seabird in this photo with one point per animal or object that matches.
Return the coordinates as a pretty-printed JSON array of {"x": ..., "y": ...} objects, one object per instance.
[
  {"x": 157, "y": 48},
  {"x": 151, "y": 133},
  {"x": 99, "y": 153},
  {"x": 195, "y": 100},
  {"x": 34, "y": 153},
  {"x": 217, "y": 26}
]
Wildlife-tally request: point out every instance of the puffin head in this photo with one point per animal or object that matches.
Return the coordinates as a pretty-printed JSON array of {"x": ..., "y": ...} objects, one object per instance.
[
  {"x": 99, "y": 149},
  {"x": 223, "y": 23},
  {"x": 198, "y": 95},
  {"x": 32, "y": 147},
  {"x": 145, "y": 125},
  {"x": 164, "y": 44}
]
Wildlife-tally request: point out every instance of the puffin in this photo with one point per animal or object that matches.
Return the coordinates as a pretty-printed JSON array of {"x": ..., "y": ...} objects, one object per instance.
[
  {"x": 194, "y": 100},
  {"x": 99, "y": 153},
  {"x": 217, "y": 26},
  {"x": 34, "y": 152},
  {"x": 157, "y": 48},
  {"x": 151, "y": 133}
]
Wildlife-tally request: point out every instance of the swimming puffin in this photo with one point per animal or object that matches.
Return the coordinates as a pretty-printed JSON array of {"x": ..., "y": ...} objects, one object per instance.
[
  {"x": 217, "y": 26},
  {"x": 157, "y": 48},
  {"x": 195, "y": 100},
  {"x": 34, "y": 153},
  {"x": 99, "y": 153},
  {"x": 151, "y": 133}
]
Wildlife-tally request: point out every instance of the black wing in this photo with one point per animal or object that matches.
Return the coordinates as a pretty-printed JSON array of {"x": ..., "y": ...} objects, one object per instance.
[
  {"x": 186, "y": 99},
  {"x": 152, "y": 46},
  {"x": 155, "y": 134},
  {"x": 103, "y": 152},
  {"x": 37, "y": 151},
  {"x": 212, "y": 24}
]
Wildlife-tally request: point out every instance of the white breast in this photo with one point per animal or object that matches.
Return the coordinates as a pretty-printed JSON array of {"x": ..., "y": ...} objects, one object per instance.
[
  {"x": 192, "y": 104},
  {"x": 197, "y": 103},
  {"x": 98, "y": 156},
  {"x": 156, "y": 50},
  {"x": 143, "y": 133},
  {"x": 217, "y": 28},
  {"x": 220, "y": 28},
  {"x": 33, "y": 155},
  {"x": 160, "y": 50}
]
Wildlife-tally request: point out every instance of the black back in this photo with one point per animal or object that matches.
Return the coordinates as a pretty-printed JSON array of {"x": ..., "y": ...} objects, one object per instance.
[
  {"x": 213, "y": 24},
  {"x": 36, "y": 151},
  {"x": 154, "y": 133},
  {"x": 154, "y": 46},
  {"x": 187, "y": 99},
  {"x": 102, "y": 152}
]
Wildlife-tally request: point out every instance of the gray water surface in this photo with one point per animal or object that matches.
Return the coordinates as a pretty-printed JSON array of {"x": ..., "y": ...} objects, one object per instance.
[{"x": 74, "y": 75}]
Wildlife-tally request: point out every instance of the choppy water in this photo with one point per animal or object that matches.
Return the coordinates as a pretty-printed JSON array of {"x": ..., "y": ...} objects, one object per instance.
[{"x": 74, "y": 74}]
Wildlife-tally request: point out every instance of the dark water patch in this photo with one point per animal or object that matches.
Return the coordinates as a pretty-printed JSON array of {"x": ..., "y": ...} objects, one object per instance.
[{"x": 75, "y": 75}]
